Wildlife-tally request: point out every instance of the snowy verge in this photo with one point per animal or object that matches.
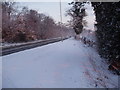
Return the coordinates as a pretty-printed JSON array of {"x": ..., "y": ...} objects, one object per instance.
[{"x": 8, "y": 45}]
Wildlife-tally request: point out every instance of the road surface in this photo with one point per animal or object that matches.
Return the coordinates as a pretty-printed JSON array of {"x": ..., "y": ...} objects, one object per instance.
[{"x": 14, "y": 49}]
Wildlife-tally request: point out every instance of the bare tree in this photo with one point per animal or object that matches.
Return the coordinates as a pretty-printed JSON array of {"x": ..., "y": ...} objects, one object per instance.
[{"x": 7, "y": 11}]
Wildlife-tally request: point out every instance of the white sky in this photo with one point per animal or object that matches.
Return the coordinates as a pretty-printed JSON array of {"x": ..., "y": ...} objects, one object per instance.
[
  {"x": 53, "y": 9},
  {"x": 49, "y": 8}
]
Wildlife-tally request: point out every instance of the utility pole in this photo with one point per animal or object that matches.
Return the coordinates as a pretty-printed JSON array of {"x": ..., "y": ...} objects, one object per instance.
[{"x": 61, "y": 20}]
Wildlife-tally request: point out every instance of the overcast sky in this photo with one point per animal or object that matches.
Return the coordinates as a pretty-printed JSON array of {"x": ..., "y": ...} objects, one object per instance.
[
  {"x": 53, "y": 9},
  {"x": 49, "y": 8}
]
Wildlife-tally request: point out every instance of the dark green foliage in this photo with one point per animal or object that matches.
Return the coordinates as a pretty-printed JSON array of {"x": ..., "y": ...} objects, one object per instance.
[{"x": 108, "y": 29}]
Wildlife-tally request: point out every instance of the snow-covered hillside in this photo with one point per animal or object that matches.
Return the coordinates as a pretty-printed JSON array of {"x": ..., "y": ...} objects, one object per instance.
[{"x": 67, "y": 64}]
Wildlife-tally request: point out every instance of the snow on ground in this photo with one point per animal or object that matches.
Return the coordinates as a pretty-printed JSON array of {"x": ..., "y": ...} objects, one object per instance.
[
  {"x": 10, "y": 44},
  {"x": 89, "y": 34},
  {"x": 5, "y": 44},
  {"x": 67, "y": 64},
  {"x": 0, "y": 73}
]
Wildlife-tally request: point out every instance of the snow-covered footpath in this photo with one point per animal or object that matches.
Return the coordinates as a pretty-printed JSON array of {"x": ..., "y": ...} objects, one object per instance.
[
  {"x": 0, "y": 72},
  {"x": 67, "y": 64}
]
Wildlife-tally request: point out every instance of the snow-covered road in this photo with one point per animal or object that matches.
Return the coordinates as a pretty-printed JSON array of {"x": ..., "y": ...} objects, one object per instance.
[{"x": 67, "y": 64}]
